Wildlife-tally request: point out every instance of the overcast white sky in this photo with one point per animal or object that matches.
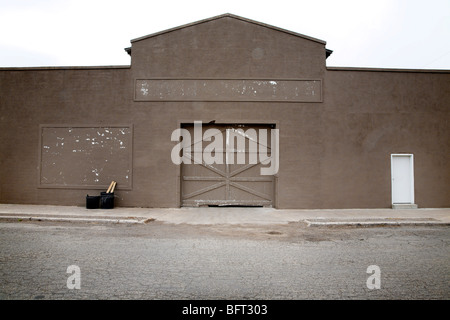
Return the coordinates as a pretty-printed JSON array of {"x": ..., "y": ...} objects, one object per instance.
[{"x": 362, "y": 33}]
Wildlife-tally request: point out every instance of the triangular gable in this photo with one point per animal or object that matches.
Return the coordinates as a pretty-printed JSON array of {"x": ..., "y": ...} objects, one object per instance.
[{"x": 231, "y": 46}]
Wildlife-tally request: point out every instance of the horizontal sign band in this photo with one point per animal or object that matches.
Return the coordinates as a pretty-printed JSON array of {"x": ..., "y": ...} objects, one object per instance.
[{"x": 228, "y": 90}]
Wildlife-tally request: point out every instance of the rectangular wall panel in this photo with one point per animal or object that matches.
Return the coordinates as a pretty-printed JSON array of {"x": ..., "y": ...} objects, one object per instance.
[
  {"x": 85, "y": 156},
  {"x": 228, "y": 90}
]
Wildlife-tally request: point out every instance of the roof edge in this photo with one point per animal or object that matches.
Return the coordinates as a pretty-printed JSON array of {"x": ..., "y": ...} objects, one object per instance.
[
  {"x": 64, "y": 68},
  {"x": 229, "y": 15},
  {"x": 365, "y": 69}
]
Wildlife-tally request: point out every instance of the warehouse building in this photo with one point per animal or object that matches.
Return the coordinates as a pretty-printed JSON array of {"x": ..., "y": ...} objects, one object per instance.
[{"x": 226, "y": 112}]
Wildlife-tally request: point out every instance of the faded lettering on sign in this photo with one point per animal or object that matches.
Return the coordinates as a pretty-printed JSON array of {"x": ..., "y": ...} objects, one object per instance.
[{"x": 228, "y": 90}]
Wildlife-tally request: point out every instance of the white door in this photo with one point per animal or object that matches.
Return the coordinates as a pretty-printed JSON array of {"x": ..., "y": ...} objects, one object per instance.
[{"x": 402, "y": 174}]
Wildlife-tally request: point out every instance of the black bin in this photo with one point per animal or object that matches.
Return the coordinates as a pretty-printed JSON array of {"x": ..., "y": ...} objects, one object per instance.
[
  {"x": 92, "y": 202},
  {"x": 107, "y": 200}
]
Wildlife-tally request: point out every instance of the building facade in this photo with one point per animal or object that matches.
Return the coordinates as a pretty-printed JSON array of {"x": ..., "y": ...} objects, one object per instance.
[{"x": 339, "y": 137}]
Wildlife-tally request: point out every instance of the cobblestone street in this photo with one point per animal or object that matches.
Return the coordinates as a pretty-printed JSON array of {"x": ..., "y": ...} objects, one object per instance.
[{"x": 165, "y": 261}]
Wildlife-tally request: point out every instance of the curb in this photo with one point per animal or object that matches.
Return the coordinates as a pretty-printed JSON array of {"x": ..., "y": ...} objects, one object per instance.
[
  {"x": 317, "y": 222},
  {"x": 76, "y": 219},
  {"x": 374, "y": 223}
]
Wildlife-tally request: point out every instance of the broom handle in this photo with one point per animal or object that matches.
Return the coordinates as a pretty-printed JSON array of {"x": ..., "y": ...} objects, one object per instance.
[
  {"x": 113, "y": 187},
  {"x": 110, "y": 186}
]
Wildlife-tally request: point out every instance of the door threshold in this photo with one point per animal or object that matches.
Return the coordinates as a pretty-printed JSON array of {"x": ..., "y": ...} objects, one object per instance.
[{"x": 404, "y": 206}]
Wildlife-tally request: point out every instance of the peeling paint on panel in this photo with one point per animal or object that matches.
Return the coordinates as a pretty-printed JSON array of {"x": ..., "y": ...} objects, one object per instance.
[
  {"x": 86, "y": 161},
  {"x": 228, "y": 90}
]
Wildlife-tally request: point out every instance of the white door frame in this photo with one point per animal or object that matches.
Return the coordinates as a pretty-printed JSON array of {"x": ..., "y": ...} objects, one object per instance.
[{"x": 411, "y": 166}]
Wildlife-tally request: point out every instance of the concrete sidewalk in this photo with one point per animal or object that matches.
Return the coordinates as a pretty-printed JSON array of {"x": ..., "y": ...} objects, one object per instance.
[{"x": 229, "y": 215}]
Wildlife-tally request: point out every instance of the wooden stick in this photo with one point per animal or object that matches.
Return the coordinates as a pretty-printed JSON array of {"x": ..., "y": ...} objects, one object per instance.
[
  {"x": 110, "y": 186},
  {"x": 114, "y": 185}
]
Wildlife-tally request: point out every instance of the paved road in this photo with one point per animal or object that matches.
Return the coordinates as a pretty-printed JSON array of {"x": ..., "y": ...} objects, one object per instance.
[{"x": 164, "y": 261}]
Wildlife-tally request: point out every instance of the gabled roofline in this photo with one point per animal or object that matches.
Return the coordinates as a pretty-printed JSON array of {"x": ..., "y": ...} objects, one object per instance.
[{"x": 229, "y": 15}]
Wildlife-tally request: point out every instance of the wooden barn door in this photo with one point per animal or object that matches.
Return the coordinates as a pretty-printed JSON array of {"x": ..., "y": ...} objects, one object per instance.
[{"x": 227, "y": 183}]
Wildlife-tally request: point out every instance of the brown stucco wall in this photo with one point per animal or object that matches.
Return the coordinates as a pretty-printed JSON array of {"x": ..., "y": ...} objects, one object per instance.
[
  {"x": 58, "y": 96},
  {"x": 372, "y": 114},
  {"x": 334, "y": 153}
]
